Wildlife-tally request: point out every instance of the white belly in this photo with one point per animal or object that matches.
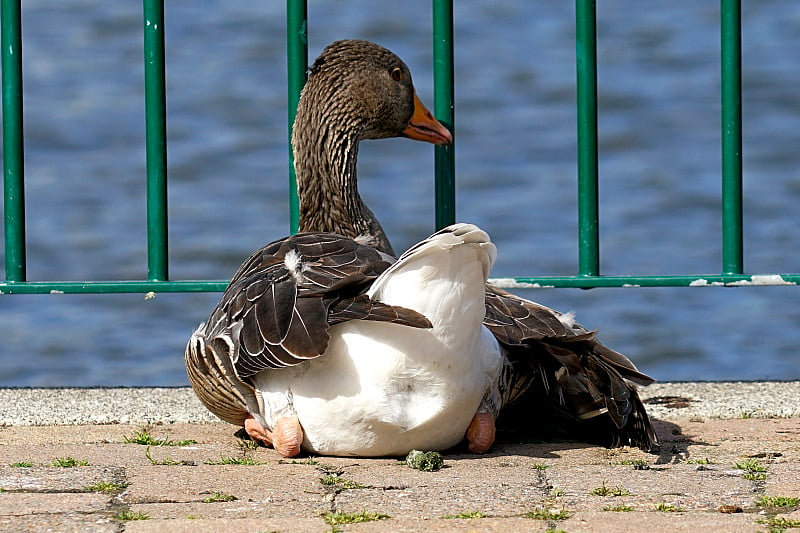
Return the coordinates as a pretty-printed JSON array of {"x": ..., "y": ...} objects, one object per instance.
[{"x": 369, "y": 398}]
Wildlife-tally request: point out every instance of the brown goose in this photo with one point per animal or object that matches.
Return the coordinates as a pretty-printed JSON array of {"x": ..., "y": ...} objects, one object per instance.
[
  {"x": 547, "y": 362},
  {"x": 323, "y": 343}
]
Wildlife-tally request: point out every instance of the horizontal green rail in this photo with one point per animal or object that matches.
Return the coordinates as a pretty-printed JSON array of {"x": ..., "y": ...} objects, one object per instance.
[
  {"x": 589, "y": 276},
  {"x": 591, "y": 282},
  {"x": 539, "y": 282},
  {"x": 102, "y": 287}
]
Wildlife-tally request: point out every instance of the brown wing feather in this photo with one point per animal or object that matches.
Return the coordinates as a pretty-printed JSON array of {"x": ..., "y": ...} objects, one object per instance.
[
  {"x": 281, "y": 302},
  {"x": 564, "y": 368}
]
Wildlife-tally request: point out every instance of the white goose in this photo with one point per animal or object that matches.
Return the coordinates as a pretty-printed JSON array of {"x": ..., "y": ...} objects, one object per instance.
[{"x": 362, "y": 373}]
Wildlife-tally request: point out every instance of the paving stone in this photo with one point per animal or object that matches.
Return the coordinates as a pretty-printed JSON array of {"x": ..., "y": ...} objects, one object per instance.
[{"x": 694, "y": 474}]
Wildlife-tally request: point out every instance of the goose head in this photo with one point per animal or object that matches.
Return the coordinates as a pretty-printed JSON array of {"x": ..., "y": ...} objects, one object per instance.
[
  {"x": 365, "y": 87},
  {"x": 356, "y": 90}
]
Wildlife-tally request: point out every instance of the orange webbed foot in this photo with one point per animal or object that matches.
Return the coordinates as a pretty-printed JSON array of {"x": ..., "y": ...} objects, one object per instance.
[
  {"x": 257, "y": 432},
  {"x": 481, "y": 433},
  {"x": 287, "y": 436}
]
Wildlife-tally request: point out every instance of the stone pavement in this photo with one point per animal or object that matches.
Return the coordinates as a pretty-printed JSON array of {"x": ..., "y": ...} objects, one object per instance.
[{"x": 216, "y": 482}]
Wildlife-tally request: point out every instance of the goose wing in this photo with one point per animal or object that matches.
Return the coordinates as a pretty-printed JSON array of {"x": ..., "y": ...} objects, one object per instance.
[
  {"x": 281, "y": 302},
  {"x": 553, "y": 360},
  {"x": 277, "y": 311}
]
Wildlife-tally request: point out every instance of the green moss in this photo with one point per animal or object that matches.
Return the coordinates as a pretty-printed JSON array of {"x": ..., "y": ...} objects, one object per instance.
[
  {"x": 105, "y": 486},
  {"x": 235, "y": 461},
  {"x": 466, "y": 515},
  {"x": 704, "y": 461},
  {"x": 127, "y": 515},
  {"x": 331, "y": 480},
  {"x": 68, "y": 462},
  {"x": 333, "y": 519},
  {"x": 544, "y": 513},
  {"x": 220, "y": 497},
  {"x": 425, "y": 461}
]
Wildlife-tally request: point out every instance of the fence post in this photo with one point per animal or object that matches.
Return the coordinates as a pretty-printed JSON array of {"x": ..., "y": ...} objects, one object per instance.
[
  {"x": 731, "y": 97},
  {"x": 13, "y": 144},
  {"x": 156, "y": 140},
  {"x": 586, "y": 60},
  {"x": 297, "y": 63},
  {"x": 444, "y": 109}
]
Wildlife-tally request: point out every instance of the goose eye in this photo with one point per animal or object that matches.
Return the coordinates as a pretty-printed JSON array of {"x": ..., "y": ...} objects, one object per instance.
[{"x": 396, "y": 73}]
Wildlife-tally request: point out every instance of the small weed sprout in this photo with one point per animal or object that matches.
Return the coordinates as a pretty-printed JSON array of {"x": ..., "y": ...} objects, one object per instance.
[
  {"x": 220, "y": 497},
  {"x": 777, "y": 501},
  {"x": 466, "y": 515},
  {"x": 235, "y": 461},
  {"x": 126, "y": 515},
  {"x": 665, "y": 507},
  {"x": 780, "y": 523},
  {"x": 68, "y": 462},
  {"x": 751, "y": 465},
  {"x": 340, "y": 482},
  {"x": 753, "y": 470},
  {"x": 703, "y": 461},
  {"x": 334, "y": 519},
  {"x": 160, "y": 462},
  {"x": 621, "y": 508},
  {"x": 105, "y": 486},
  {"x": 143, "y": 436},
  {"x": 602, "y": 490},
  {"x": 308, "y": 461},
  {"x": 544, "y": 513}
]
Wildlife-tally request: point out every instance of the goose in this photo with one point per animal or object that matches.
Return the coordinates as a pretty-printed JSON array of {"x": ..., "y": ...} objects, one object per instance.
[
  {"x": 350, "y": 354},
  {"x": 345, "y": 365}
]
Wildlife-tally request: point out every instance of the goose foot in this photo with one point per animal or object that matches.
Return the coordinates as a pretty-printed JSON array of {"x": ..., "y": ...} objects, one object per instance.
[
  {"x": 286, "y": 437},
  {"x": 257, "y": 432},
  {"x": 481, "y": 432}
]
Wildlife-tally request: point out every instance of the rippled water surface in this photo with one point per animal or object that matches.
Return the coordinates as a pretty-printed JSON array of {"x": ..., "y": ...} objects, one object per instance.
[{"x": 516, "y": 143}]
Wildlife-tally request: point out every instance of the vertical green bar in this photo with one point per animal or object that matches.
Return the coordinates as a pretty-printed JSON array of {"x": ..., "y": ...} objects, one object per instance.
[
  {"x": 156, "y": 140},
  {"x": 297, "y": 63},
  {"x": 13, "y": 153},
  {"x": 586, "y": 58},
  {"x": 731, "y": 95},
  {"x": 444, "y": 110}
]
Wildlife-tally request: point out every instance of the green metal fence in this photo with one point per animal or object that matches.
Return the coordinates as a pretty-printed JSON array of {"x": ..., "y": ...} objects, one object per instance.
[{"x": 157, "y": 280}]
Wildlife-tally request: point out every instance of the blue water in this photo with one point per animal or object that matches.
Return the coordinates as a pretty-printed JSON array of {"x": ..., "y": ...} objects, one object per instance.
[{"x": 516, "y": 144}]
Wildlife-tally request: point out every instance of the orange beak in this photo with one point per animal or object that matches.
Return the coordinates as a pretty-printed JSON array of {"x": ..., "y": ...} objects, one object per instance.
[{"x": 423, "y": 127}]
